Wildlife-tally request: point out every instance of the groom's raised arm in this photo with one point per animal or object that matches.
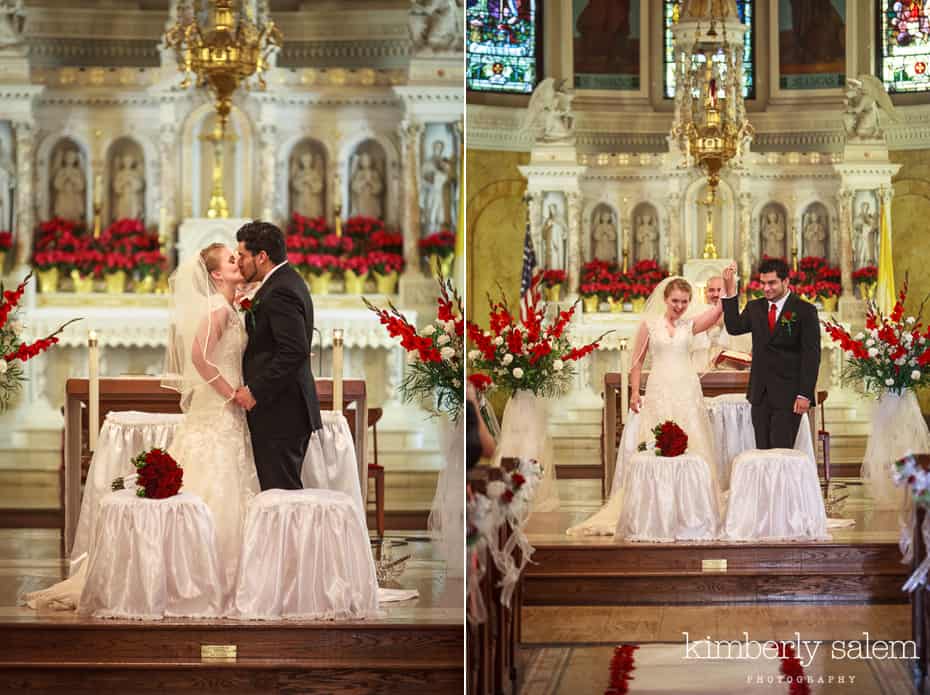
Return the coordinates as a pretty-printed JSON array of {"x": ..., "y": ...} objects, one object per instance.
[
  {"x": 737, "y": 322},
  {"x": 288, "y": 329}
]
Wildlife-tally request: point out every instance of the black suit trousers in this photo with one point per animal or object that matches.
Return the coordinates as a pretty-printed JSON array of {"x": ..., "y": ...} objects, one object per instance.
[
  {"x": 776, "y": 428},
  {"x": 278, "y": 461}
]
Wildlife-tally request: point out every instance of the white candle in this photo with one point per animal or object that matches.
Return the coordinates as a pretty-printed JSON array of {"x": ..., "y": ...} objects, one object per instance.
[
  {"x": 624, "y": 380},
  {"x": 93, "y": 374},
  {"x": 337, "y": 370}
]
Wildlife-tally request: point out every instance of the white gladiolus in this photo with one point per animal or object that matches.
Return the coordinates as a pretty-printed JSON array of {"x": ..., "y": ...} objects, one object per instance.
[
  {"x": 889, "y": 382},
  {"x": 474, "y": 354},
  {"x": 915, "y": 375},
  {"x": 873, "y": 352},
  {"x": 498, "y": 341},
  {"x": 3, "y": 366},
  {"x": 860, "y": 335},
  {"x": 517, "y": 373},
  {"x": 508, "y": 358},
  {"x": 869, "y": 342},
  {"x": 447, "y": 353},
  {"x": 428, "y": 330},
  {"x": 443, "y": 339},
  {"x": 450, "y": 327},
  {"x": 557, "y": 365},
  {"x": 911, "y": 319}
]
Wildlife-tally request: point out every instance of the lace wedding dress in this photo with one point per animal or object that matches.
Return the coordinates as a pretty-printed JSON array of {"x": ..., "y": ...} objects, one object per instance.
[{"x": 673, "y": 392}]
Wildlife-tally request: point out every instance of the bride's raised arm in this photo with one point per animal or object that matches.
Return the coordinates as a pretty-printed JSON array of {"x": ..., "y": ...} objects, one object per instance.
[
  {"x": 708, "y": 318},
  {"x": 208, "y": 335}
]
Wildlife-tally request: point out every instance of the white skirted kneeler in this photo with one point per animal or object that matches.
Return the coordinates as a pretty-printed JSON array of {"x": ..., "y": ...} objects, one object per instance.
[
  {"x": 330, "y": 463},
  {"x": 305, "y": 556},
  {"x": 124, "y": 436},
  {"x": 153, "y": 559},
  {"x": 775, "y": 495},
  {"x": 669, "y": 499}
]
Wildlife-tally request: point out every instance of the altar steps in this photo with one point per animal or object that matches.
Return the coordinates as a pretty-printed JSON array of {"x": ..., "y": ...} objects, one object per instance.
[
  {"x": 597, "y": 572},
  {"x": 124, "y": 657}
]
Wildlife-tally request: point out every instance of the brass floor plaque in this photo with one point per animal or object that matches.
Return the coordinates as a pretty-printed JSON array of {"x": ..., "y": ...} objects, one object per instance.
[
  {"x": 217, "y": 651},
  {"x": 714, "y": 565}
]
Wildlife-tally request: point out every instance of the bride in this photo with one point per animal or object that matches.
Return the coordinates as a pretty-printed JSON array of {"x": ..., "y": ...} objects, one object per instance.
[
  {"x": 204, "y": 363},
  {"x": 673, "y": 390}
]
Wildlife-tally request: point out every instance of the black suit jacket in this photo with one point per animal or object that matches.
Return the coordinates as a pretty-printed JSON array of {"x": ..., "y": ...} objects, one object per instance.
[
  {"x": 276, "y": 363},
  {"x": 784, "y": 363}
]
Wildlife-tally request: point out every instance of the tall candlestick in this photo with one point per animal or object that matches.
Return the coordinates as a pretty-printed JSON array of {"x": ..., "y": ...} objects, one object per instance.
[
  {"x": 337, "y": 370},
  {"x": 624, "y": 380},
  {"x": 93, "y": 375}
]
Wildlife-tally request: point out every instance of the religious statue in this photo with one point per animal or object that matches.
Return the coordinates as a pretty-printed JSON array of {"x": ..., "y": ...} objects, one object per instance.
[
  {"x": 367, "y": 187},
  {"x": 549, "y": 115},
  {"x": 865, "y": 97},
  {"x": 865, "y": 240},
  {"x": 554, "y": 236},
  {"x": 604, "y": 235},
  {"x": 128, "y": 185},
  {"x": 604, "y": 27},
  {"x": 307, "y": 186},
  {"x": 7, "y": 184},
  {"x": 69, "y": 185},
  {"x": 815, "y": 236},
  {"x": 437, "y": 25},
  {"x": 818, "y": 32},
  {"x": 773, "y": 235},
  {"x": 12, "y": 22},
  {"x": 707, "y": 9},
  {"x": 647, "y": 238},
  {"x": 437, "y": 196}
]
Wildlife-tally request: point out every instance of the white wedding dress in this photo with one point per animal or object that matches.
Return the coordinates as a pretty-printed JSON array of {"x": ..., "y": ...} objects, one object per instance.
[{"x": 673, "y": 392}]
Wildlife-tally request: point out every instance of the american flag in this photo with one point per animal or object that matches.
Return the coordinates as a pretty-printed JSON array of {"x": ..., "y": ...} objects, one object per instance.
[{"x": 529, "y": 260}]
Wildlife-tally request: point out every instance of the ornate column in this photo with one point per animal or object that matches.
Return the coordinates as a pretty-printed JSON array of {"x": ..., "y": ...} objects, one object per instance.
[
  {"x": 25, "y": 195},
  {"x": 534, "y": 201},
  {"x": 574, "y": 238},
  {"x": 673, "y": 207},
  {"x": 844, "y": 200},
  {"x": 411, "y": 132},
  {"x": 168, "y": 215},
  {"x": 745, "y": 226},
  {"x": 268, "y": 139}
]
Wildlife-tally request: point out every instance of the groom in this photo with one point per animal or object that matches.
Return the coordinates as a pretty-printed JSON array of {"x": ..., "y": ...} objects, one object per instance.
[
  {"x": 279, "y": 392},
  {"x": 785, "y": 352}
]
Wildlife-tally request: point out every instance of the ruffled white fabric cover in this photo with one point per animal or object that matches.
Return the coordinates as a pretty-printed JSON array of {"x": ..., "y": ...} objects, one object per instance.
[
  {"x": 669, "y": 499},
  {"x": 305, "y": 555},
  {"x": 775, "y": 495},
  {"x": 330, "y": 462},
  {"x": 153, "y": 559},
  {"x": 446, "y": 521},
  {"x": 525, "y": 435},
  {"x": 123, "y": 436}
]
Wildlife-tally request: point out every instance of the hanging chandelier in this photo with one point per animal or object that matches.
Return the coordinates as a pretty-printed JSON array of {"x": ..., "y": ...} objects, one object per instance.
[
  {"x": 711, "y": 126},
  {"x": 221, "y": 45}
]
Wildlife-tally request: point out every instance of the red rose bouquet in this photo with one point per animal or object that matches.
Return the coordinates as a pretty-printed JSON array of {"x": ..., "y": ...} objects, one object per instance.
[
  {"x": 158, "y": 475},
  {"x": 670, "y": 440}
]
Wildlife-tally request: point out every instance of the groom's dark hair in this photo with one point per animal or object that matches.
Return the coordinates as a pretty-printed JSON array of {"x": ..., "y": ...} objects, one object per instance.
[
  {"x": 774, "y": 265},
  {"x": 263, "y": 236}
]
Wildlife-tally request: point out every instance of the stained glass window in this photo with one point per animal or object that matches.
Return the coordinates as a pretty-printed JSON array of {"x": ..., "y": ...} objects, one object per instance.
[
  {"x": 746, "y": 15},
  {"x": 905, "y": 45},
  {"x": 503, "y": 45}
]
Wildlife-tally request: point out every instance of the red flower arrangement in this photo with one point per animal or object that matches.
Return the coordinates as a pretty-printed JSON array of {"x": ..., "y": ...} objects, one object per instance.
[
  {"x": 359, "y": 227},
  {"x": 385, "y": 263},
  {"x": 670, "y": 440},
  {"x": 158, "y": 475},
  {"x": 607, "y": 281},
  {"x": 480, "y": 382},
  {"x": 622, "y": 665},
  {"x": 319, "y": 263},
  {"x": 357, "y": 264},
  {"x": 6, "y": 241},
  {"x": 439, "y": 244},
  {"x": 892, "y": 354},
  {"x": 865, "y": 274},
  {"x": 307, "y": 226},
  {"x": 551, "y": 278}
]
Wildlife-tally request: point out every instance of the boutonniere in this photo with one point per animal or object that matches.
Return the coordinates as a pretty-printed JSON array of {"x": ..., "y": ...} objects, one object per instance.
[
  {"x": 788, "y": 319},
  {"x": 248, "y": 307}
]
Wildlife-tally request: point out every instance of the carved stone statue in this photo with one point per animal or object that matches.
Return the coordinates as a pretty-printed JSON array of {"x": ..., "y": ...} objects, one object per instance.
[
  {"x": 865, "y": 240},
  {"x": 7, "y": 183},
  {"x": 549, "y": 115},
  {"x": 604, "y": 236},
  {"x": 705, "y": 9},
  {"x": 12, "y": 22},
  {"x": 773, "y": 235},
  {"x": 69, "y": 185},
  {"x": 367, "y": 187},
  {"x": 865, "y": 97},
  {"x": 554, "y": 236},
  {"x": 307, "y": 185},
  {"x": 128, "y": 187},
  {"x": 815, "y": 236},
  {"x": 437, "y": 195},
  {"x": 437, "y": 25},
  {"x": 647, "y": 237}
]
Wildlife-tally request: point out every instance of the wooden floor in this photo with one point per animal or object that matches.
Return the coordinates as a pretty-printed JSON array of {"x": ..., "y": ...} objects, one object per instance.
[
  {"x": 415, "y": 645},
  {"x": 861, "y": 564}
]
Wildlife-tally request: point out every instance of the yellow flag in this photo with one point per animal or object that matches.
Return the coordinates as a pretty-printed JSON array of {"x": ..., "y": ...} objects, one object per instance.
[
  {"x": 884, "y": 291},
  {"x": 459, "y": 272}
]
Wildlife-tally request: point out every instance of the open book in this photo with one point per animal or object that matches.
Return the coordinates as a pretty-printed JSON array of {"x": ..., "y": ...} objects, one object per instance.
[{"x": 733, "y": 359}]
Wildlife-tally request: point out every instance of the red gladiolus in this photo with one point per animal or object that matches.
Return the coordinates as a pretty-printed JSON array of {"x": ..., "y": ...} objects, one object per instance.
[
  {"x": 515, "y": 342},
  {"x": 480, "y": 381}
]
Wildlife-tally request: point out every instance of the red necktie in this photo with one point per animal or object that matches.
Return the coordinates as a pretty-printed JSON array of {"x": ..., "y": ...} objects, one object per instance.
[{"x": 772, "y": 311}]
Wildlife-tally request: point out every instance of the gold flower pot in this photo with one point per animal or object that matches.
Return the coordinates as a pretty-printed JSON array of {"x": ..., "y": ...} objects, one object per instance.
[
  {"x": 441, "y": 264},
  {"x": 386, "y": 284},
  {"x": 553, "y": 293},
  {"x": 829, "y": 303},
  {"x": 48, "y": 280},
  {"x": 319, "y": 284},
  {"x": 355, "y": 284},
  {"x": 639, "y": 303},
  {"x": 867, "y": 289},
  {"x": 161, "y": 287},
  {"x": 83, "y": 284},
  {"x": 591, "y": 304},
  {"x": 616, "y": 305},
  {"x": 115, "y": 282},
  {"x": 144, "y": 285}
]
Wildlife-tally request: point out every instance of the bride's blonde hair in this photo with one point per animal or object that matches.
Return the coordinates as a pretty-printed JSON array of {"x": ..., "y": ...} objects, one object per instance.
[
  {"x": 211, "y": 256},
  {"x": 677, "y": 284}
]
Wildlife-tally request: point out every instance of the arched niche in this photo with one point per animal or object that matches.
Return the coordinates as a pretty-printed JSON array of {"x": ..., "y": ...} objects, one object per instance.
[
  {"x": 69, "y": 184},
  {"x": 126, "y": 188},
  {"x": 307, "y": 179},
  {"x": 774, "y": 231},
  {"x": 645, "y": 243},
  {"x": 603, "y": 240},
  {"x": 723, "y": 218},
  {"x": 815, "y": 231},
  {"x": 439, "y": 178},
  {"x": 367, "y": 180}
]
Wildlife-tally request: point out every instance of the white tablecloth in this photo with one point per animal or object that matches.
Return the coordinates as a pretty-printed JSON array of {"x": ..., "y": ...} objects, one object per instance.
[
  {"x": 152, "y": 559},
  {"x": 331, "y": 463},
  {"x": 669, "y": 499},
  {"x": 305, "y": 556},
  {"x": 775, "y": 495}
]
